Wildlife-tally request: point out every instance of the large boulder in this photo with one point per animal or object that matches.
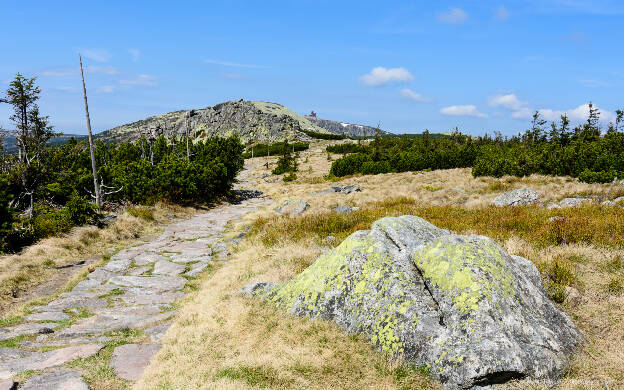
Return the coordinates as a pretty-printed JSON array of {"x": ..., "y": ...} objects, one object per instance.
[
  {"x": 292, "y": 207},
  {"x": 517, "y": 197},
  {"x": 458, "y": 305}
]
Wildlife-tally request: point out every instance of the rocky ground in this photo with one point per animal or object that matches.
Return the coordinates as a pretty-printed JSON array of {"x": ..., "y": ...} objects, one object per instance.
[{"x": 134, "y": 293}]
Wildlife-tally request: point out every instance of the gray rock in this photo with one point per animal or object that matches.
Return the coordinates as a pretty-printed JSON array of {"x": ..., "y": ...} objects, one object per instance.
[
  {"x": 139, "y": 270},
  {"x": 609, "y": 203},
  {"x": 458, "y": 304},
  {"x": 517, "y": 197},
  {"x": 342, "y": 209},
  {"x": 69, "y": 301},
  {"x": 8, "y": 384},
  {"x": 148, "y": 258},
  {"x": 87, "y": 285},
  {"x": 100, "y": 274},
  {"x": 43, "y": 360},
  {"x": 348, "y": 189},
  {"x": 129, "y": 361},
  {"x": 157, "y": 332},
  {"x": 293, "y": 207},
  {"x": 117, "y": 265},
  {"x": 59, "y": 380},
  {"x": 569, "y": 202},
  {"x": 151, "y": 299},
  {"x": 26, "y": 329},
  {"x": 460, "y": 190},
  {"x": 166, "y": 283},
  {"x": 47, "y": 316},
  {"x": 196, "y": 269},
  {"x": 258, "y": 288},
  {"x": 12, "y": 353},
  {"x": 164, "y": 267}
]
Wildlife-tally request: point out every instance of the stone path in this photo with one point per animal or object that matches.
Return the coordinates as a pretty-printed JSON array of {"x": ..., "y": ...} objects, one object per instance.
[{"x": 135, "y": 290}]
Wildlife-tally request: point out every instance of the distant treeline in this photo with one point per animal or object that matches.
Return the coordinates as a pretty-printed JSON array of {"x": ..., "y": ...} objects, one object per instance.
[
  {"x": 274, "y": 149},
  {"x": 585, "y": 152}
]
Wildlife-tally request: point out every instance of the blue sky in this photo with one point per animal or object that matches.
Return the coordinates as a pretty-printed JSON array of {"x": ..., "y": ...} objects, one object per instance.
[{"x": 479, "y": 65}]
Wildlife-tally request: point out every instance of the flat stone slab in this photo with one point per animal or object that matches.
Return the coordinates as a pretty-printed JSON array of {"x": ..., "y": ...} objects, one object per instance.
[
  {"x": 87, "y": 285},
  {"x": 48, "y": 316},
  {"x": 114, "y": 319},
  {"x": 100, "y": 274},
  {"x": 26, "y": 329},
  {"x": 147, "y": 258},
  {"x": 164, "y": 267},
  {"x": 151, "y": 299},
  {"x": 139, "y": 270},
  {"x": 156, "y": 282},
  {"x": 118, "y": 265},
  {"x": 8, "y": 384},
  {"x": 12, "y": 353},
  {"x": 59, "y": 380},
  {"x": 129, "y": 361},
  {"x": 64, "y": 342},
  {"x": 43, "y": 360},
  {"x": 197, "y": 269},
  {"x": 157, "y": 332},
  {"x": 68, "y": 302}
]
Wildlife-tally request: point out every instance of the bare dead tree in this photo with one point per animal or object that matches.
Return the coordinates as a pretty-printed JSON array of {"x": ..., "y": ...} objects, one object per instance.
[
  {"x": 96, "y": 184},
  {"x": 188, "y": 130}
]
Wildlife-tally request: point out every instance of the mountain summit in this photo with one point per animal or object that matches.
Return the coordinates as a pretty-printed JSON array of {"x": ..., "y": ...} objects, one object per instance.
[{"x": 250, "y": 120}]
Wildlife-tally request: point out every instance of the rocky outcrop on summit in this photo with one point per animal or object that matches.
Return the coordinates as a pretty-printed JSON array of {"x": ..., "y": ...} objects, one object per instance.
[
  {"x": 348, "y": 129},
  {"x": 251, "y": 121},
  {"x": 459, "y": 305}
]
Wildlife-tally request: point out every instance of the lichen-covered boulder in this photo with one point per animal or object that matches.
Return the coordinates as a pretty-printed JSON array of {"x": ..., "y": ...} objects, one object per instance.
[
  {"x": 517, "y": 197},
  {"x": 459, "y": 305}
]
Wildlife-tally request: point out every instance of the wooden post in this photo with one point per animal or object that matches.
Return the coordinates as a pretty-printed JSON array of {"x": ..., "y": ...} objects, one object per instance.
[{"x": 98, "y": 195}]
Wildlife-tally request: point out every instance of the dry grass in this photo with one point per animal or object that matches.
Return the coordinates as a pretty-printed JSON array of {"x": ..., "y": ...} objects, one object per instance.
[
  {"x": 222, "y": 340},
  {"x": 23, "y": 273}
]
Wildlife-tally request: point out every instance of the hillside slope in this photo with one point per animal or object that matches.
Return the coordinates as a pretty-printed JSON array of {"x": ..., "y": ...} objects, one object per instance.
[{"x": 250, "y": 120}]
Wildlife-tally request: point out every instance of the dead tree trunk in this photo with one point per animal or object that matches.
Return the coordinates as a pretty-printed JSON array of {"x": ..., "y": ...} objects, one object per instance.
[
  {"x": 188, "y": 130},
  {"x": 98, "y": 194}
]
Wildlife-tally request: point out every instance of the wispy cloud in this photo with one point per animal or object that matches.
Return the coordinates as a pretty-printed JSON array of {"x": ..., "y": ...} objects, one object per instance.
[
  {"x": 381, "y": 76},
  {"x": 98, "y": 55},
  {"x": 467, "y": 110},
  {"x": 135, "y": 54},
  {"x": 144, "y": 80},
  {"x": 501, "y": 14},
  {"x": 453, "y": 16},
  {"x": 408, "y": 93},
  {"x": 106, "y": 89},
  {"x": 235, "y": 64},
  {"x": 66, "y": 72}
]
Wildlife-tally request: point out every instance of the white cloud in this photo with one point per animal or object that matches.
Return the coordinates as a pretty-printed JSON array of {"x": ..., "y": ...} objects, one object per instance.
[
  {"x": 101, "y": 70},
  {"x": 502, "y": 14},
  {"x": 135, "y": 54},
  {"x": 380, "y": 76},
  {"x": 408, "y": 93},
  {"x": 523, "y": 113},
  {"x": 144, "y": 80},
  {"x": 234, "y": 64},
  {"x": 578, "y": 114},
  {"x": 467, "y": 110},
  {"x": 509, "y": 101},
  {"x": 453, "y": 16},
  {"x": 96, "y": 55}
]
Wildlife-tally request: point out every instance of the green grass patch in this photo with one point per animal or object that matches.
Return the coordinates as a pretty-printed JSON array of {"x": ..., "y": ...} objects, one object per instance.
[
  {"x": 257, "y": 376},
  {"x": 588, "y": 225}
]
